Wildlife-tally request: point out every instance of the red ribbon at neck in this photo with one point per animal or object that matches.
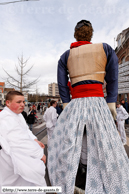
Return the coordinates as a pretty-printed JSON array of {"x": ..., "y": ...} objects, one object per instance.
[{"x": 79, "y": 43}]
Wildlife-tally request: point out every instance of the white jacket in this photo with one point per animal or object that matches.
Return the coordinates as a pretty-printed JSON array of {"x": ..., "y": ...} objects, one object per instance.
[
  {"x": 121, "y": 113},
  {"x": 50, "y": 116},
  {"x": 20, "y": 156}
]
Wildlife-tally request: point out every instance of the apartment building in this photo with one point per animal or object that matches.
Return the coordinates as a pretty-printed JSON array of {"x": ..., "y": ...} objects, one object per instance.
[
  {"x": 122, "y": 52},
  {"x": 53, "y": 89}
]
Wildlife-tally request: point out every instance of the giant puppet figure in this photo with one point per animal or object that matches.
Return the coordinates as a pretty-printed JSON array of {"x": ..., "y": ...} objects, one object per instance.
[{"x": 88, "y": 65}]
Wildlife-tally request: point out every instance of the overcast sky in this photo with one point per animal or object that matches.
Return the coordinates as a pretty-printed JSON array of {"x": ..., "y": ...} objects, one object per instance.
[{"x": 42, "y": 30}]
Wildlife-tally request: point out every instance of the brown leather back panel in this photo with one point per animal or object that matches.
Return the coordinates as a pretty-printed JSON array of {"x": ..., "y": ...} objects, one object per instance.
[{"x": 87, "y": 62}]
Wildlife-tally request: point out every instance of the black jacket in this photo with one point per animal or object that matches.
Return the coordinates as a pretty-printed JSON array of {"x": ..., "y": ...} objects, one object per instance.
[
  {"x": 24, "y": 115},
  {"x": 31, "y": 118}
]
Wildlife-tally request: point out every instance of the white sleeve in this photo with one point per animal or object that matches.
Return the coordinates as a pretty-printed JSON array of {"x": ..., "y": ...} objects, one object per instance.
[
  {"x": 44, "y": 116},
  {"x": 125, "y": 114},
  {"x": 32, "y": 136},
  {"x": 54, "y": 117},
  {"x": 22, "y": 144}
]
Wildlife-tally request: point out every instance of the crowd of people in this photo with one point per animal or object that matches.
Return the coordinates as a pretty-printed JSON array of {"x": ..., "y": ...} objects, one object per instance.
[
  {"x": 31, "y": 116},
  {"x": 86, "y": 154}
]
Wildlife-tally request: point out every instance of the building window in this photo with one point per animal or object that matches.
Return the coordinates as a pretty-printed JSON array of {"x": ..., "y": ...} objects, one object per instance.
[{"x": 127, "y": 34}]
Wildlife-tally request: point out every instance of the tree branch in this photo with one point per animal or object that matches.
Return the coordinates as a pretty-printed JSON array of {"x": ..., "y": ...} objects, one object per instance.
[
  {"x": 23, "y": 82},
  {"x": 12, "y": 84},
  {"x": 10, "y": 76},
  {"x": 31, "y": 83},
  {"x": 17, "y": 70},
  {"x": 28, "y": 70}
]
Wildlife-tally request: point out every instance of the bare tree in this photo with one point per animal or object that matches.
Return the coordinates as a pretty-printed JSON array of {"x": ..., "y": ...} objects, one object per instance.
[{"x": 21, "y": 83}]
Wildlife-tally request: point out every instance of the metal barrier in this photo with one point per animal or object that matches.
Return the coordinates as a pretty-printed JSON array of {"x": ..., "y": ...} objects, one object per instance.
[{"x": 40, "y": 131}]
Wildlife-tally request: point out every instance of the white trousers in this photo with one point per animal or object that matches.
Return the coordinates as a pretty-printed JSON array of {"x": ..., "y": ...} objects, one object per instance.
[
  {"x": 121, "y": 130},
  {"x": 49, "y": 134},
  {"x": 83, "y": 158}
]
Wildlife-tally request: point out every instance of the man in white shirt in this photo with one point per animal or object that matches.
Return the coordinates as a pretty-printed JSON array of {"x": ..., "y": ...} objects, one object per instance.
[
  {"x": 50, "y": 116},
  {"x": 21, "y": 156},
  {"x": 122, "y": 115}
]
